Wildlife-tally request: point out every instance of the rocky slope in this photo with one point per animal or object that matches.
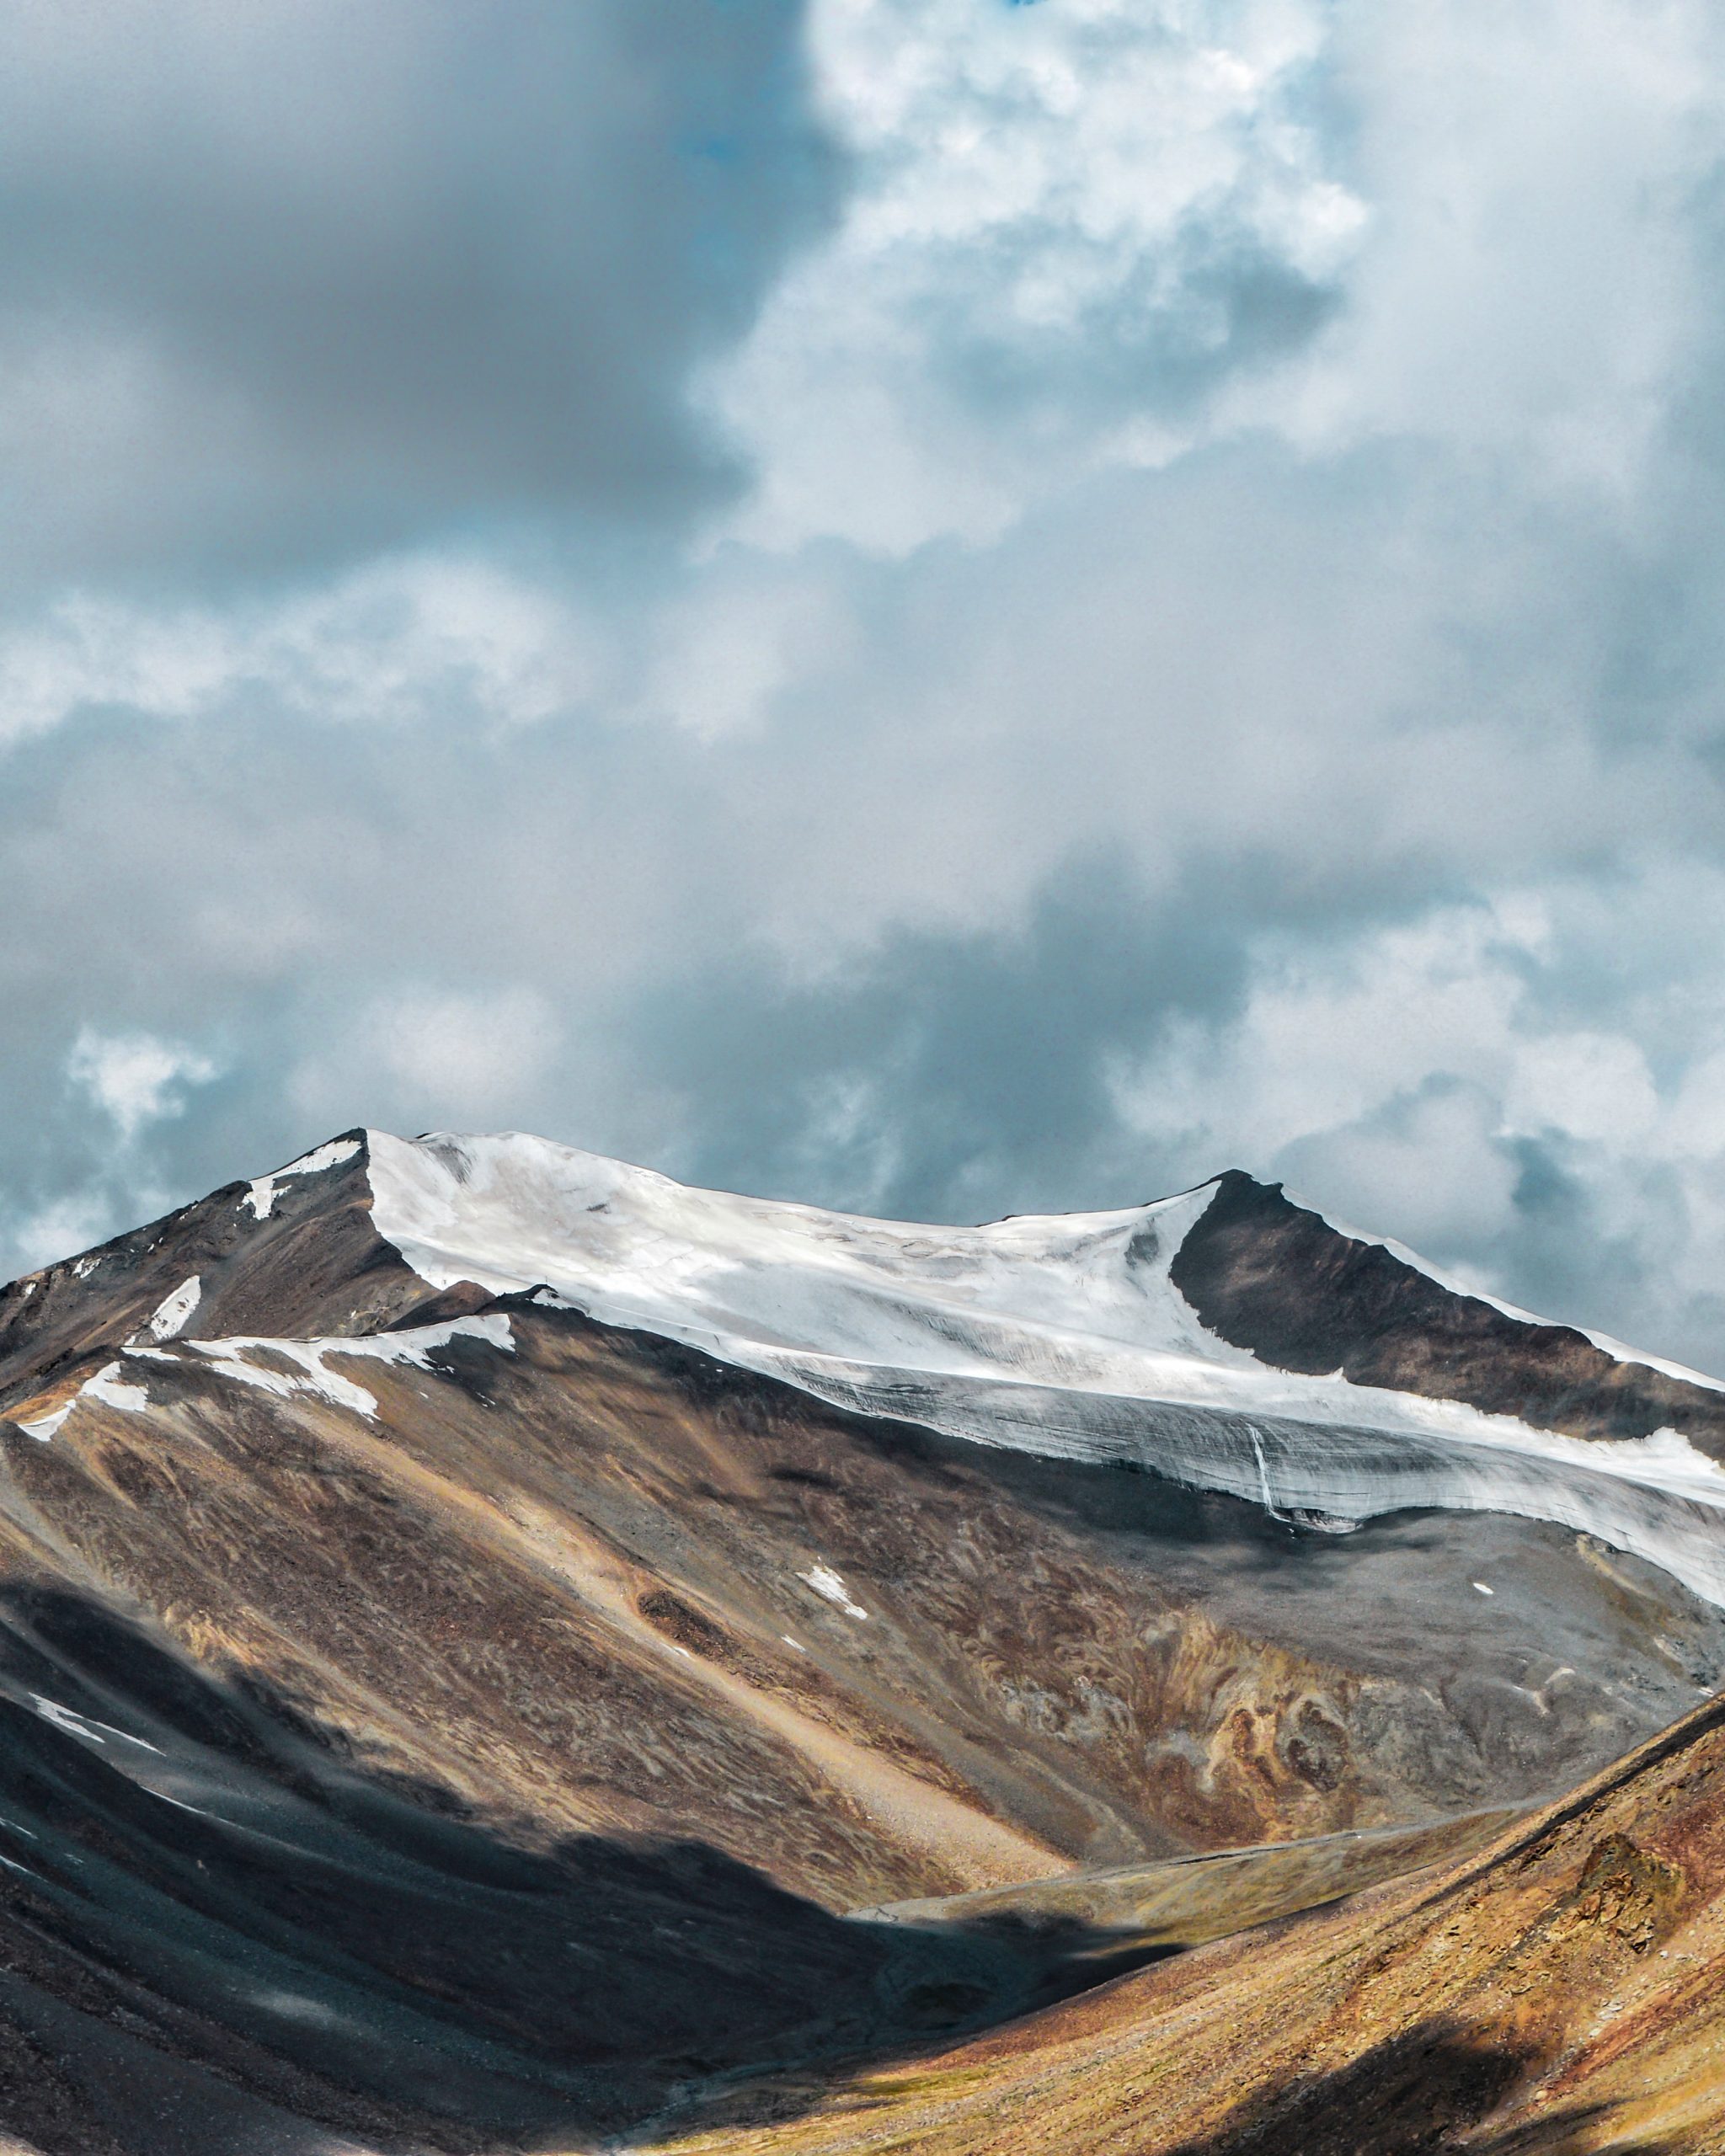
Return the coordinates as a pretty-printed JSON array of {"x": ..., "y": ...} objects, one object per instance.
[
  {"x": 448, "y": 1612},
  {"x": 1560, "y": 1993}
]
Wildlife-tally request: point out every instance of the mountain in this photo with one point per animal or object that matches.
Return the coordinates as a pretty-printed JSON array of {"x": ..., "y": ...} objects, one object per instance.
[
  {"x": 1210, "y": 1337},
  {"x": 490, "y": 1638},
  {"x": 1558, "y": 1992}
]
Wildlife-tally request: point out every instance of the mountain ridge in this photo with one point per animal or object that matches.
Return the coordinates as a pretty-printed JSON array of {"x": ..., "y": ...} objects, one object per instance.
[
  {"x": 474, "y": 1611},
  {"x": 1227, "y": 1335}
]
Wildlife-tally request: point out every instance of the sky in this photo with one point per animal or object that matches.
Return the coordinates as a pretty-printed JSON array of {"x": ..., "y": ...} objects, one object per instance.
[{"x": 936, "y": 606}]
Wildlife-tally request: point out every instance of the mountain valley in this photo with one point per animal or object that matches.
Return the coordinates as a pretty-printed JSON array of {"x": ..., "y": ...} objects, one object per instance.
[{"x": 500, "y": 1651}]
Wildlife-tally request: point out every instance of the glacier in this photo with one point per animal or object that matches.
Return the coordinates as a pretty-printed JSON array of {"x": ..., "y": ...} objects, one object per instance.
[{"x": 1062, "y": 1335}]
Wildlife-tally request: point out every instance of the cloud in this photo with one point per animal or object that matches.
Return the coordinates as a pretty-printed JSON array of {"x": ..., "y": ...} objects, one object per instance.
[
  {"x": 385, "y": 644},
  {"x": 281, "y": 282},
  {"x": 1209, "y": 655},
  {"x": 1594, "y": 1088},
  {"x": 135, "y": 1078},
  {"x": 97, "y": 1113},
  {"x": 1530, "y": 288},
  {"x": 1068, "y": 226},
  {"x": 946, "y": 1074},
  {"x": 77, "y": 1221},
  {"x": 434, "y": 1056}
]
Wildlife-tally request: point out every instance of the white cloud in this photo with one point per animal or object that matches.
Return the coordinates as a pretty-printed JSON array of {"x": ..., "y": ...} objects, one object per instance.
[
  {"x": 1531, "y": 282},
  {"x": 390, "y": 643},
  {"x": 1431, "y": 1160},
  {"x": 136, "y": 1079},
  {"x": 1591, "y": 1087},
  {"x": 429, "y": 1057},
  {"x": 1333, "y": 1037},
  {"x": 744, "y": 633},
  {"x": 77, "y": 1220},
  {"x": 1060, "y": 216},
  {"x": 1085, "y": 232}
]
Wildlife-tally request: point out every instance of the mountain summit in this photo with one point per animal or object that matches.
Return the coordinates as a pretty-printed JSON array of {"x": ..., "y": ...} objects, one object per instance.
[
  {"x": 465, "y": 1600},
  {"x": 1227, "y": 1337}
]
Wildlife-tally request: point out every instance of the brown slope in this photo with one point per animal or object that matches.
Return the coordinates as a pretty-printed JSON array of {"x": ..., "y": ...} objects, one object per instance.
[
  {"x": 1270, "y": 1277},
  {"x": 1564, "y": 1992},
  {"x": 314, "y": 1265},
  {"x": 546, "y": 1601},
  {"x": 566, "y": 1582},
  {"x": 1109, "y": 1915}
]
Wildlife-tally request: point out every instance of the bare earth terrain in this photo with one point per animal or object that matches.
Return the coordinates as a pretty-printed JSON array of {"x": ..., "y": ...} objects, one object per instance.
[{"x": 437, "y": 1717}]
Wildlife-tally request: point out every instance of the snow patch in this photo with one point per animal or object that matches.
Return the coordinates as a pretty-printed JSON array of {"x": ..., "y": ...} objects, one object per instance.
[
  {"x": 43, "y": 1427},
  {"x": 174, "y": 1311},
  {"x": 415, "y": 1346},
  {"x": 308, "y": 1354},
  {"x": 227, "y": 1358},
  {"x": 107, "y": 1386},
  {"x": 180, "y": 1804},
  {"x": 233, "y": 1359},
  {"x": 112, "y": 1390},
  {"x": 263, "y": 1190},
  {"x": 78, "y": 1725},
  {"x": 825, "y": 1581}
]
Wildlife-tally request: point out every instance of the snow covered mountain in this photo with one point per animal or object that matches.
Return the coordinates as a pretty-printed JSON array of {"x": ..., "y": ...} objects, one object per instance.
[
  {"x": 1225, "y": 1338},
  {"x": 437, "y": 1573}
]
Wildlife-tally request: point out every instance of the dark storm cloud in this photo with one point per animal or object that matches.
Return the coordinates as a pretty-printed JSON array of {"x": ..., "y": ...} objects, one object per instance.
[{"x": 280, "y": 280}]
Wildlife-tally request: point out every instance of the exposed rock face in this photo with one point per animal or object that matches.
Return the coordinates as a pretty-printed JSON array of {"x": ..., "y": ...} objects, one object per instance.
[
  {"x": 1267, "y": 1275},
  {"x": 399, "y": 1662},
  {"x": 293, "y": 1256}
]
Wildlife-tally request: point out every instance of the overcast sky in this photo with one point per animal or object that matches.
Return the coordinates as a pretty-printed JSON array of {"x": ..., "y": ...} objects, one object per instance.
[{"x": 933, "y": 606}]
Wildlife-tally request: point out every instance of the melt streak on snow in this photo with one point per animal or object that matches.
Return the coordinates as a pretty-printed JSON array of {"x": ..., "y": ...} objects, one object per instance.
[{"x": 1062, "y": 1334}]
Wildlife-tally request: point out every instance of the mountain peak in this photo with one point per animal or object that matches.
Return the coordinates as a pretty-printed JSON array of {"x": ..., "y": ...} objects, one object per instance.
[
  {"x": 508, "y": 1518},
  {"x": 1206, "y": 1335}
]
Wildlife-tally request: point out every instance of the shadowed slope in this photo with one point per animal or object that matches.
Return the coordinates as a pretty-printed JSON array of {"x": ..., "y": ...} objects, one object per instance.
[
  {"x": 1560, "y": 1993},
  {"x": 268, "y": 1936}
]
